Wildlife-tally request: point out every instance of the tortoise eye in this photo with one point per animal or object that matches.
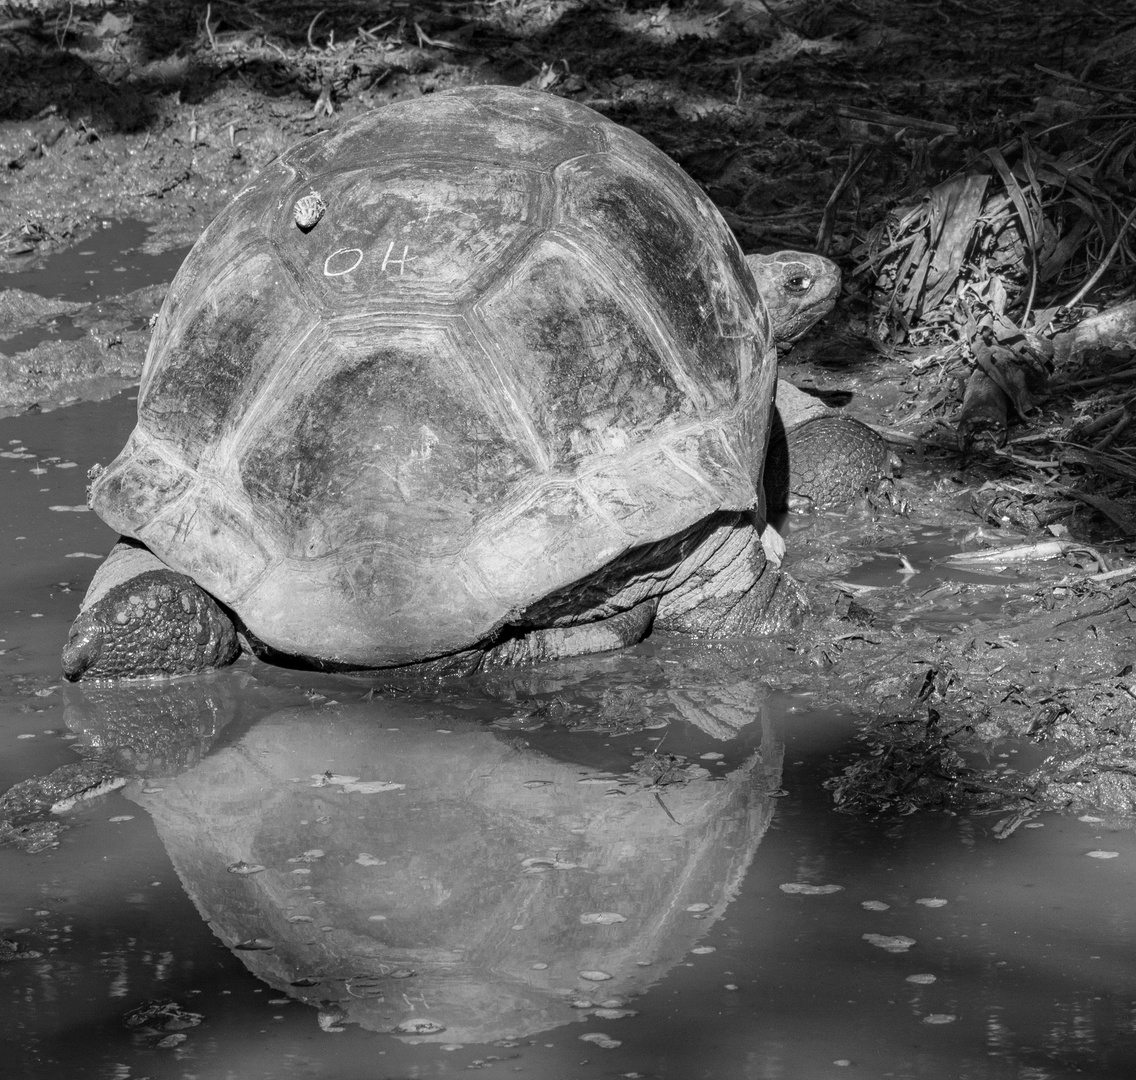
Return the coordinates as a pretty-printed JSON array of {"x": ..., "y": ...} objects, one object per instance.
[{"x": 799, "y": 283}]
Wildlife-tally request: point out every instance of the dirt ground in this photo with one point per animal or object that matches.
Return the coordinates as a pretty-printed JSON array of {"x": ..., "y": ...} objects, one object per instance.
[{"x": 861, "y": 128}]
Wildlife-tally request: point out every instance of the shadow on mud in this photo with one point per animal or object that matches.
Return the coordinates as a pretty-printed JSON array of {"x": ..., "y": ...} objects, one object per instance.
[{"x": 111, "y": 74}]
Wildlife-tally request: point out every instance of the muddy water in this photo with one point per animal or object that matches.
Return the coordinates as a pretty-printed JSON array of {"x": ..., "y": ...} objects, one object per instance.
[
  {"x": 113, "y": 260},
  {"x": 635, "y": 849}
]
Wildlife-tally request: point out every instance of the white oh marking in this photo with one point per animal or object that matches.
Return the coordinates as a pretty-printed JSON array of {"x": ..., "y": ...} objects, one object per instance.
[
  {"x": 329, "y": 272},
  {"x": 400, "y": 263}
]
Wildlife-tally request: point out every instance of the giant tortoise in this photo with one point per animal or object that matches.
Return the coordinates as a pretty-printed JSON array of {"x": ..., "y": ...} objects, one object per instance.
[{"x": 481, "y": 376}]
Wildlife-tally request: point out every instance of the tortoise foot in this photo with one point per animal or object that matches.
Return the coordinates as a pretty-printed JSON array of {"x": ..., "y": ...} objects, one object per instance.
[{"x": 156, "y": 622}]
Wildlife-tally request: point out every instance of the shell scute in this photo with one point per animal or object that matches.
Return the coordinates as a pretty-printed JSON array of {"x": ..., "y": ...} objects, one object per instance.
[
  {"x": 376, "y": 442},
  {"x": 589, "y": 374},
  {"x": 232, "y": 329},
  {"x": 145, "y": 482},
  {"x": 681, "y": 264},
  {"x": 219, "y": 539}
]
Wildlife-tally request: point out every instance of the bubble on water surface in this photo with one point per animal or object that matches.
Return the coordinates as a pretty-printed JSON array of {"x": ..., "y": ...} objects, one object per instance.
[
  {"x": 419, "y": 1026},
  {"x": 874, "y": 905},
  {"x": 331, "y": 1020},
  {"x": 542, "y": 864},
  {"x": 697, "y": 907},
  {"x": 598, "y": 1038},
  {"x": 939, "y": 1018},
  {"x": 309, "y": 856},
  {"x": 1098, "y": 854},
  {"x": 703, "y": 950},
  {"x": 602, "y": 918},
  {"x": 595, "y": 976},
  {"x": 896, "y": 943},
  {"x": 932, "y": 901},
  {"x": 922, "y": 978},
  {"x": 326, "y": 778},
  {"x": 370, "y": 787},
  {"x": 799, "y": 888}
]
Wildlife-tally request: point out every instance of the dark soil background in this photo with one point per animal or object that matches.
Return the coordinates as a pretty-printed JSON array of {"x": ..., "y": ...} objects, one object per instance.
[
  {"x": 971, "y": 165},
  {"x": 183, "y": 100}
]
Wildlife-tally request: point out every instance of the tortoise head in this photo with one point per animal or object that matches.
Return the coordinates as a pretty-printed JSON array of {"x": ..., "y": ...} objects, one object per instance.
[{"x": 798, "y": 289}]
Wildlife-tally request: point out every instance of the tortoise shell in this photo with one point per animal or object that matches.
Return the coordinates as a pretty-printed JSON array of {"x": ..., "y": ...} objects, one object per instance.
[{"x": 506, "y": 343}]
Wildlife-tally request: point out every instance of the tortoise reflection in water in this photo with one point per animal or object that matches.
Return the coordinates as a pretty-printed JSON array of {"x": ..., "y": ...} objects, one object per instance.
[{"x": 467, "y": 897}]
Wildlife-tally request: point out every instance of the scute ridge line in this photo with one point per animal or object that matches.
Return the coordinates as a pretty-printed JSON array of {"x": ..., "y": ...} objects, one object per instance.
[
  {"x": 524, "y": 431},
  {"x": 649, "y": 317}
]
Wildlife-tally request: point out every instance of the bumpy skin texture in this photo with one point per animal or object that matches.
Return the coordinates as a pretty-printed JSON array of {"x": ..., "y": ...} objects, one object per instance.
[{"x": 158, "y": 623}]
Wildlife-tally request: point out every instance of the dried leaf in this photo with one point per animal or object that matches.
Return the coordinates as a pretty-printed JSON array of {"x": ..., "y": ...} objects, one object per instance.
[{"x": 957, "y": 203}]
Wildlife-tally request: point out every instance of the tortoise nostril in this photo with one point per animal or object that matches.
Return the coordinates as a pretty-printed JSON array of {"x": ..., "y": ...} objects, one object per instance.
[{"x": 84, "y": 645}]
